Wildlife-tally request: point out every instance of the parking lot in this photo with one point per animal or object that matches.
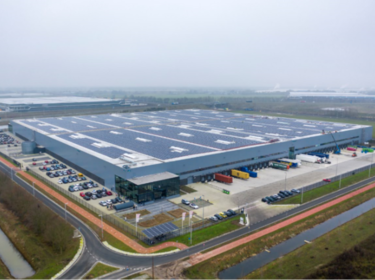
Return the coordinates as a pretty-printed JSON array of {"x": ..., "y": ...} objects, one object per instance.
[{"x": 77, "y": 184}]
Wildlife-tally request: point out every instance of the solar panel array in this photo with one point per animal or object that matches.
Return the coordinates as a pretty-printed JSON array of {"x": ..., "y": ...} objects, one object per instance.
[
  {"x": 159, "y": 230},
  {"x": 172, "y": 134}
]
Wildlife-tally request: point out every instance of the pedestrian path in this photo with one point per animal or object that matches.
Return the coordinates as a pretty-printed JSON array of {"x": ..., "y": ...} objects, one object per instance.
[
  {"x": 195, "y": 259},
  {"x": 95, "y": 220}
]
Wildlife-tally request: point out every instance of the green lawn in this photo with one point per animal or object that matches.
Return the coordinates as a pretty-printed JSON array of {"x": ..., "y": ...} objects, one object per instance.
[
  {"x": 306, "y": 259},
  {"x": 4, "y": 272},
  {"x": 326, "y": 189},
  {"x": 98, "y": 270},
  {"x": 210, "y": 232}
]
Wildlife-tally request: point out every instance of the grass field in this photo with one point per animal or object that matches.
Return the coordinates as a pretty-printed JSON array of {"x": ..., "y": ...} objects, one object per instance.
[
  {"x": 187, "y": 189},
  {"x": 209, "y": 268},
  {"x": 131, "y": 215},
  {"x": 156, "y": 220},
  {"x": 41, "y": 257},
  {"x": 177, "y": 213},
  {"x": 306, "y": 259},
  {"x": 326, "y": 189},
  {"x": 208, "y": 233},
  {"x": 98, "y": 270}
]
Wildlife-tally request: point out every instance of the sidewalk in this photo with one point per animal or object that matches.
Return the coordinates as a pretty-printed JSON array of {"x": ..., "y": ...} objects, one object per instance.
[
  {"x": 95, "y": 220},
  {"x": 195, "y": 259}
]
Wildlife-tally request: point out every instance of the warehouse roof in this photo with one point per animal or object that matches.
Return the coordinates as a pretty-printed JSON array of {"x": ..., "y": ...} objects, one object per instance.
[
  {"x": 51, "y": 100},
  {"x": 166, "y": 135}
]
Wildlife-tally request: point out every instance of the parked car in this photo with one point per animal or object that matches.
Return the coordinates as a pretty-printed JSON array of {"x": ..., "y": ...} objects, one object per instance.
[
  {"x": 327, "y": 180},
  {"x": 213, "y": 218},
  {"x": 218, "y": 216},
  {"x": 264, "y": 199},
  {"x": 34, "y": 163},
  {"x": 222, "y": 215},
  {"x": 34, "y": 159},
  {"x": 228, "y": 214},
  {"x": 295, "y": 191},
  {"x": 185, "y": 201},
  {"x": 82, "y": 194},
  {"x": 86, "y": 198},
  {"x": 290, "y": 193},
  {"x": 232, "y": 212},
  {"x": 108, "y": 192},
  {"x": 193, "y": 205},
  {"x": 103, "y": 203},
  {"x": 41, "y": 168},
  {"x": 282, "y": 195}
]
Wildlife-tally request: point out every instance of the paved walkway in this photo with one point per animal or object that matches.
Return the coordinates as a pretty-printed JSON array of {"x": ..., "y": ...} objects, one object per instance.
[
  {"x": 120, "y": 236},
  {"x": 202, "y": 257}
]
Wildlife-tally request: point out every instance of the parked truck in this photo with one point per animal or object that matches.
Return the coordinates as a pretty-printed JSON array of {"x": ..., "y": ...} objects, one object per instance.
[
  {"x": 223, "y": 178},
  {"x": 252, "y": 174},
  {"x": 279, "y": 165},
  {"x": 239, "y": 174},
  {"x": 307, "y": 158}
]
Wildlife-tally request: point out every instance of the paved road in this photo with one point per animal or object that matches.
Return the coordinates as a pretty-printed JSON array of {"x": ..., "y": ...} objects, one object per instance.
[{"x": 95, "y": 251}]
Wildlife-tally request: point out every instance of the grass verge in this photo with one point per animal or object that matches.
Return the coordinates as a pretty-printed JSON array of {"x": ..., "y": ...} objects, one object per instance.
[
  {"x": 329, "y": 188},
  {"x": 210, "y": 232},
  {"x": 208, "y": 269},
  {"x": 98, "y": 270},
  {"x": 306, "y": 259},
  {"x": 41, "y": 257},
  {"x": 8, "y": 160},
  {"x": 4, "y": 272},
  {"x": 156, "y": 220},
  {"x": 113, "y": 241}
]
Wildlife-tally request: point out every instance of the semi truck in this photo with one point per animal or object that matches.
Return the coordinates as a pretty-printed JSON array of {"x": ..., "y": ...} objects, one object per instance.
[
  {"x": 295, "y": 162},
  {"x": 239, "y": 174},
  {"x": 252, "y": 174},
  {"x": 279, "y": 165},
  {"x": 223, "y": 178}
]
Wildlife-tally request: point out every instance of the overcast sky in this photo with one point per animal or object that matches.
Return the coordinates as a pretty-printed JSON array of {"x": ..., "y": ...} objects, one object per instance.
[{"x": 187, "y": 43}]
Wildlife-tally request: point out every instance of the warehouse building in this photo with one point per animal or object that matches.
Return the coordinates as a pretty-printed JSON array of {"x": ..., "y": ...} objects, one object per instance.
[
  {"x": 147, "y": 156},
  {"x": 48, "y": 103}
]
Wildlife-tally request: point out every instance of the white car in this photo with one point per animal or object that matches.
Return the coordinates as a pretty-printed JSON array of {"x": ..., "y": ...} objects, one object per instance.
[
  {"x": 109, "y": 202},
  {"x": 60, "y": 182},
  {"x": 103, "y": 203},
  {"x": 193, "y": 205}
]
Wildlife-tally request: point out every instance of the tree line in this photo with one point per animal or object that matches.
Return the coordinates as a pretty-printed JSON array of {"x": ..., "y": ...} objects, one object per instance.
[{"x": 38, "y": 218}]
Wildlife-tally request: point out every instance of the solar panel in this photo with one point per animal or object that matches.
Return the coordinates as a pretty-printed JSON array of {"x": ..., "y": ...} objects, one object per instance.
[{"x": 159, "y": 230}]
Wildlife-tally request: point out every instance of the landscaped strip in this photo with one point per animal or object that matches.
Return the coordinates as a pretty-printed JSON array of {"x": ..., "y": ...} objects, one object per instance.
[
  {"x": 303, "y": 262},
  {"x": 208, "y": 265},
  {"x": 100, "y": 269},
  {"x": 329, "y": 188}
]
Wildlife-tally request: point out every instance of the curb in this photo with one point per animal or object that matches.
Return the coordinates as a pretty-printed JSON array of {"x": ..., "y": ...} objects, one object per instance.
[
  {"x": 73, "y": 261},
  {"x": 105, "y": 243}
]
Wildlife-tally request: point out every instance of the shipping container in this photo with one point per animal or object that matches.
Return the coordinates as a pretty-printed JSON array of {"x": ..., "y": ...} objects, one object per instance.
[
  {"x": 279, "y": 165},
  {"x": 251, "y": 173},
  {"x": 351, "y": 149},
  {"x": 223, "y": 178},
  {"x": 321, "y": 155},
  {"x": 367, "y": 150},
  {"x": 239, "y": 174}
]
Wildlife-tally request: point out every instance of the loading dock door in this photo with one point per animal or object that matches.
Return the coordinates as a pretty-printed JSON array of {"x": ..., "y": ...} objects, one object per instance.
[{"x": 189, "y": 180}]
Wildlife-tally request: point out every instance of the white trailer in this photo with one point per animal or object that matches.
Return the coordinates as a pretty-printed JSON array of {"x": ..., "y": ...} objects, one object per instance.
[{"x": 307, "y": 158}]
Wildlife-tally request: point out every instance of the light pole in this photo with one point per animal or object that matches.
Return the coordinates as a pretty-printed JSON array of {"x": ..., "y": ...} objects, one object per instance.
[
  {"x": 372, "y": 161},
  {"x": 337, "y": 164},
  {"x": 302, "y": 195},
  {"x": 203, "y": 208},
  {"x": 101, "y": 216},
  {"x": 65, "y": 209},
  {"x": 285, "y": 179},
  {"x": 34, "y": 188}
]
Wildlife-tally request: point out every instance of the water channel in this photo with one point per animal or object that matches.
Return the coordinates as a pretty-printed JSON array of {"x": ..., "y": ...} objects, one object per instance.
[
  {"x": 13, "y": 260},
  {"x": 253, "y": 263}
]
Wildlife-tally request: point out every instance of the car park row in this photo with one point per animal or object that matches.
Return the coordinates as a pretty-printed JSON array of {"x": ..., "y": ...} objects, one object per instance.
[{"x": 280, "y": 195}]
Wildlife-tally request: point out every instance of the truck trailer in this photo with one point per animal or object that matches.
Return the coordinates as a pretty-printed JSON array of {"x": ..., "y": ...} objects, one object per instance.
[
  {"x": 307, "y": 158},
  {"x": 295, "y": 162},
  {"x": 279, "y": 165},
  {"x": 223, "y": 178},
  {"x": 239, "y": 174},
  {"x": 252, "y": 174}
]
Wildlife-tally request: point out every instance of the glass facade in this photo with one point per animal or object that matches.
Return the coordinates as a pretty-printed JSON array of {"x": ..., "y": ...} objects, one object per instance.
[{"x": 148, "y": 192}]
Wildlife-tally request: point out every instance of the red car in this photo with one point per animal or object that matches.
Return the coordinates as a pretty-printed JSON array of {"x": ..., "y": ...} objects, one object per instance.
[
  {"x": 108, "y": 192},
  {"x": 34, "y": 163},
  {"x": 46, "y": 161},
  {"x": 327, "y": 180},
  {"x": 82, "y": 194}
]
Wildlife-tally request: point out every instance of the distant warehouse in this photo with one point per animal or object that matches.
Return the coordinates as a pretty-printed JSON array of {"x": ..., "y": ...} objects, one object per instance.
[
  {"x": 147, "y": 156},
  {"x": 47, "y": 103}
]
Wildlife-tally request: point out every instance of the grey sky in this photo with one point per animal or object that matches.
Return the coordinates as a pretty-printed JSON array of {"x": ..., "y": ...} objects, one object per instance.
[{"x": 187, "y": 43}]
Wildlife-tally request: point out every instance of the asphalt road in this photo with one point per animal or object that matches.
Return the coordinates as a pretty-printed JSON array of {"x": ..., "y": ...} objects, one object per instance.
[{"x": 94, "y": 250}]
